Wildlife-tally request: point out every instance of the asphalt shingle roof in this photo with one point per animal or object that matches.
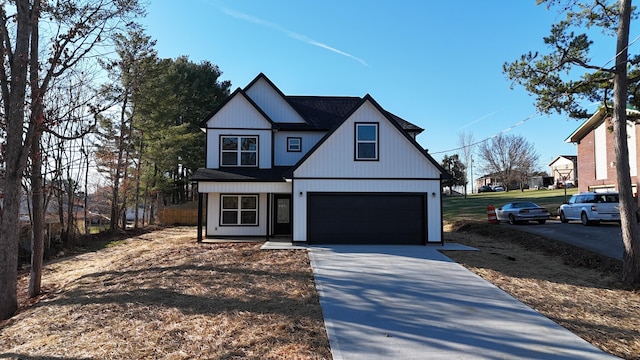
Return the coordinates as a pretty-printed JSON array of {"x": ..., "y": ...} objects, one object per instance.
[
  {"x": 326, "y": 112},
  {"x": 321, "y": 113},
  {"x": 241, "y": 174}
]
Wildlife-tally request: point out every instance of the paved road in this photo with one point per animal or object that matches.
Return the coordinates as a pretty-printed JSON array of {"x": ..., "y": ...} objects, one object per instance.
[{"x": 605, "y": 238}]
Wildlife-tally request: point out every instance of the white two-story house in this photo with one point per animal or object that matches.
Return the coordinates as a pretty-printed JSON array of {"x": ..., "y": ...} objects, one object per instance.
[{"x": 317, "y": 169}]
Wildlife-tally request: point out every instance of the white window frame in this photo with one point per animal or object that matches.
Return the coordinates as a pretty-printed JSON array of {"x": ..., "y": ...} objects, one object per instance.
[
  {"x": 239, "y": 151},
  {"x": 239, "y": 210},
  {"x": 359, "y": 141}
]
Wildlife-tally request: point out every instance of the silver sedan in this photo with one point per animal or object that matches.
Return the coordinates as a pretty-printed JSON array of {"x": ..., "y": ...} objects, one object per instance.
[{"x": 520, "y": 211}]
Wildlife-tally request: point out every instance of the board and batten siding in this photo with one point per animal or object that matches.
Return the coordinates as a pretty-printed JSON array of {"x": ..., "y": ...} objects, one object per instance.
[
  {"x": 401, "y": 167},
  {"x": 284, "y": 158},
  {"x": 238, "y": 113},
  {"x": 398, "y": 156},
  {"x": 431, "y": 189},
  {"x": 244, "y": 187},
  {"x": 272, "y": 103},
  {"x": 213, "y": 145},
  {"x": 215, "y": 189},
  {"x": 213, "y": 218}
]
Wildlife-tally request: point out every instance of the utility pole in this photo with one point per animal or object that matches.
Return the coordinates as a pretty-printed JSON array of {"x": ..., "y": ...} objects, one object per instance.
[{"x": 471, "y": 168}]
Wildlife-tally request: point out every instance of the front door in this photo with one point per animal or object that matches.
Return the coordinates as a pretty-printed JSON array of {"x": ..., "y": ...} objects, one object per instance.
[{"x": 282, "y": 210}]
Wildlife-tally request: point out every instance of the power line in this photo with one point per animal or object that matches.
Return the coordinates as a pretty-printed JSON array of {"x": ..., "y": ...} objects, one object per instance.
[
  {"x": 488, "y": 138},
  {"x": 530, "y": 116}
]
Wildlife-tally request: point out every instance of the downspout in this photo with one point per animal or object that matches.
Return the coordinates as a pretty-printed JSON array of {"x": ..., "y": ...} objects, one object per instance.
[
  {"x": 200, "y": 195},
  {"x": 441, "y": 216},
  {"x": 293, "y": 207},
  {"x": 269, "y": 215}
]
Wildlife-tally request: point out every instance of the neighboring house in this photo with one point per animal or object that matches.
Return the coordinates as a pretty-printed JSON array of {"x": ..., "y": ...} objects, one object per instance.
[
  {"x": 490, "y": 180},
  {"x": 596, "y": 157},
  {"x": 540, "y": 182},
  {"x": 496, "y": 179},
  {"x": 318, "y": 169},
  {"x": 564, "y": 168}
]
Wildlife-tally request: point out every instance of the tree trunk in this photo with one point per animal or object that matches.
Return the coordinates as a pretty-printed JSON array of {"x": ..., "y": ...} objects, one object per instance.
[
  {"x": 125, "y": 187},
  {"x": 137, "y": 190},
  {"x": 37, "y": 199},
  {"x": 87, "y": 222},
  {"x": 15, "y": 160},
  {"x": 71, "y": 231},
  {"x": 628, "y": 205},
  {"x": 9, "y": 238},
  {"x": 59, "y": 194}
]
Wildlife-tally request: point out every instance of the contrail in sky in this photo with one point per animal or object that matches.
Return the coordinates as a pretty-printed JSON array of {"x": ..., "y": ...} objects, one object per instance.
[
  {"x": 292, "y": 34},
  {"x": 477, "y": 120}
]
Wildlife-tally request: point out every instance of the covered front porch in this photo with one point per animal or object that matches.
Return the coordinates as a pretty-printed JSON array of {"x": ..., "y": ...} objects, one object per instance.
[
  {"x": 244, "y": 203},
  {"x": 235, "y": 213}
]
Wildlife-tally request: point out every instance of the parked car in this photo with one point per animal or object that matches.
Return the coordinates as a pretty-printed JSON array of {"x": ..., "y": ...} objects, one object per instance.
[
  {"x": 485, "y": 188},
  {"x": 591, "y": 208},
  {"x": 520, "y": 211},
  {"x": 498, "y": 188}
]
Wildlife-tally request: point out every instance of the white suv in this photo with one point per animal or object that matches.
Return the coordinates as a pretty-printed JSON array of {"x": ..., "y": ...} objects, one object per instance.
[{"x": 591, "y": 208}]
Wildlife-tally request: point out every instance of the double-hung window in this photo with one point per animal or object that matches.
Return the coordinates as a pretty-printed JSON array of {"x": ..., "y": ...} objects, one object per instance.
[
  {"x": 239, "y": 151},
  {"x": 239, "y": 210},
  {"x": 294, "y": 144},
  {"x": 366, "y": 141}
]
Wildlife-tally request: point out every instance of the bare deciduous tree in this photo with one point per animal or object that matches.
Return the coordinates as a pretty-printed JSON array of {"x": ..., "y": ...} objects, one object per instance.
[
  {"x": 74, "y": 29},
  {"x": 508, "y": 157}
]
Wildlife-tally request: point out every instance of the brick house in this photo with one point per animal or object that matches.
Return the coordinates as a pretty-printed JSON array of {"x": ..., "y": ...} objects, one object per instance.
[{"x": 596, "y": 156}]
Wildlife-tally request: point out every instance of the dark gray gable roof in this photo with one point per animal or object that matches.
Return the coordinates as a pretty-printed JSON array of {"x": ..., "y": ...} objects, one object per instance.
[
  {"x": 326, "y": 112},
  {"x": 404, "y": 123},
  {"x": 321, "y": 113}
]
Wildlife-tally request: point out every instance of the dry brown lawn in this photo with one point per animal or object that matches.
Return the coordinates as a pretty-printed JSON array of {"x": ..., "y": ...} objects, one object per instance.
[
  {"x": 163, "y": 296},
  {"x": 573, "y": 287}
]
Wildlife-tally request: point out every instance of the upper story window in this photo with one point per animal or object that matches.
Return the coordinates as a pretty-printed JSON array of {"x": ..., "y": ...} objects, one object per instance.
[
  {"x": 239, "y": 151},
  {"x": 294, "y": 144},
  {"x": 366, "y": 141}
]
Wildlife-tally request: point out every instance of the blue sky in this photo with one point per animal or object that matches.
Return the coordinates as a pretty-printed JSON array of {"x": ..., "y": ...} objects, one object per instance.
[{"x": 437, "y": 64}]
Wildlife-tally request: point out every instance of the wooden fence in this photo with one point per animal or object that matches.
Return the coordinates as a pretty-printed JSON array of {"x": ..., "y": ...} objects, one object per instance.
[{"x": 169, "y": 216}]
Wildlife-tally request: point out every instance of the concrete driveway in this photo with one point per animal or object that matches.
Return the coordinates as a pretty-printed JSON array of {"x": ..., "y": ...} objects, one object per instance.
[{"x": 412, "y": 302}]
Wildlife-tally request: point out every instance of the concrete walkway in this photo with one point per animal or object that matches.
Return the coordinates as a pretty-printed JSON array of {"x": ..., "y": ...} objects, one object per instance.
[{"x": 412, "y": 302}]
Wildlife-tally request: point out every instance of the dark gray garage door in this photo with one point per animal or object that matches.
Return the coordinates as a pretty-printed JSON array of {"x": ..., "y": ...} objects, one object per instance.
[{"x": 366, "y": 218}]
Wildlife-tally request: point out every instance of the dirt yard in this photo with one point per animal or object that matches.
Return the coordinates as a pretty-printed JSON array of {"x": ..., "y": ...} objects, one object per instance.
[
  {"x": 573, "y": 287},
  {"x": 163, "y": 296}
]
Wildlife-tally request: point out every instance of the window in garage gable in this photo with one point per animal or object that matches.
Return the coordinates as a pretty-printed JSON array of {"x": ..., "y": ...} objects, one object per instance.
[{"x": 366, "y": 141}]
